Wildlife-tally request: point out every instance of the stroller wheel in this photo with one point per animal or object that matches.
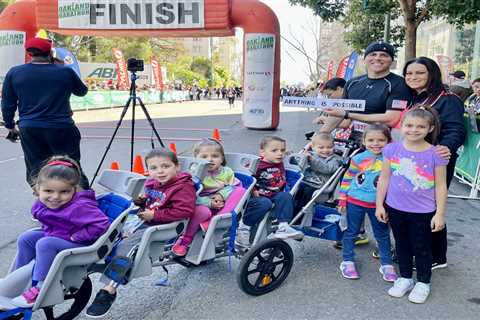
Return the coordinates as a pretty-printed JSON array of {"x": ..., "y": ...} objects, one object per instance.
[
  {"x": 264, "y": 267},
  {"x": 80, "y": 300}
]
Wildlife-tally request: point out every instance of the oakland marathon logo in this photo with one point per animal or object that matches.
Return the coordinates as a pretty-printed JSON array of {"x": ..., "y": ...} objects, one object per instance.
[
  {"x": 74, "y": 10},
  {"x": 260, "y": 43},
  {"x": 11, "y": 39}
]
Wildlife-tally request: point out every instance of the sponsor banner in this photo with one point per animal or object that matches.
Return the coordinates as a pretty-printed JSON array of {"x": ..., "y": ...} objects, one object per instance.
[
  {"x": 131, "y": 14},
  {"x": 12, "y": 51},
  {"x": 342, "y": 67},
  {"x": 68, "y": 58},
  {"x": 352, "y": 63},
  {"x": 258, "y": 82},
  {"x": 122, "y": 73},
  {"x": 157, "y": 74},
  {"x": 330, "y": 69},
  {"x": 107, "y": 71},
  {"x": 321, "y": 103}
]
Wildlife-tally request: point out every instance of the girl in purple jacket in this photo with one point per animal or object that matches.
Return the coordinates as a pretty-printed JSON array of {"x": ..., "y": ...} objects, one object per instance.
[{"x": 70, "y": 218}]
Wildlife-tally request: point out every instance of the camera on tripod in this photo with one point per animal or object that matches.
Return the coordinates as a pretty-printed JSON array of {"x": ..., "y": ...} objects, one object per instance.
[{"x": 135, "y": 65}]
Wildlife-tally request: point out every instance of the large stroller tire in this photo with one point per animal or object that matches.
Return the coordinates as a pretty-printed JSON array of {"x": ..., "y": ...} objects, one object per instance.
[
  {"x": 80, "y": 300},
  {"x": 264, "y": 267}
]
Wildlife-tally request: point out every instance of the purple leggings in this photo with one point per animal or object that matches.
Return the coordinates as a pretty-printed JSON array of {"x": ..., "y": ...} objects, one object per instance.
[
  {"x": 203, "y": 213},
  {"x": 35, "y": 245}
]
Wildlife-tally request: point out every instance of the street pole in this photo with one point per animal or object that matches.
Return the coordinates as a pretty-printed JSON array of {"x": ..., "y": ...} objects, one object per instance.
[{"x": 386, "y": 30}]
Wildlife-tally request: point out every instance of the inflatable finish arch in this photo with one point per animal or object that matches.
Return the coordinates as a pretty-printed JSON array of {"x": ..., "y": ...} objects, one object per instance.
[{"x": 171, "y": 18}]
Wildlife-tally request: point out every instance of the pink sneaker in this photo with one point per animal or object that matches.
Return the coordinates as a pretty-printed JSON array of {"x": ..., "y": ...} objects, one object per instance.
[
  {"x": 388, "y": 272},
  {"x": 179, "y": 248},
  {"x": 204, "y": 225},
  {"x": 26, "y": 299},
  {"x": 348, "y": 270}
]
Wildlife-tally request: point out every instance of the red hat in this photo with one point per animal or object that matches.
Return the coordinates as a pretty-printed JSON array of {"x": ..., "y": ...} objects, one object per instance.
[{"x": 44, "y": 45}]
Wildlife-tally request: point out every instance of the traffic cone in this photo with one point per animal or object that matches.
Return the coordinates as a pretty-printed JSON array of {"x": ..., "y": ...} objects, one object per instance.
[
  {"x": 138, "y": 165},
  {"x": 216, "y": 134},
  {"x": 173, "y": 147},
  {"x": 115, "y": 166}
]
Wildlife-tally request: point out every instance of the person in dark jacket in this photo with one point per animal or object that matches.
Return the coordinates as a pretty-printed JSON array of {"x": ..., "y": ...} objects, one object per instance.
[
  {"x": 41, "y": 91},
  {"x": 423, "y": 77},
  {"x": 169, "y": 196}
]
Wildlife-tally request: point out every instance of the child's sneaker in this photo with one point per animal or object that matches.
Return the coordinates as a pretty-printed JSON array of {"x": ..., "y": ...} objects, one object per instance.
[
  {"x": 179, "y": 249},
  {"x": 348, "y": 270},
  {"x": 284, "y": 231},
  {"x": 101, "y": 304},
  {"x": 362, "y": 238},
  {"x": 419, "y": 293},
  {"x": 388, "y": 272},
  {"x": 204, "y": 225},
  {"x": 26, "y": 299},
  {"x": 400, "y": 287}
]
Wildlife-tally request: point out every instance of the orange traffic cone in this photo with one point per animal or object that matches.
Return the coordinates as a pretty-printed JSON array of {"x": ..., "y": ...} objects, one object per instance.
[
  {"x": 115, "y": 166},
  {"x": 173, "y": 147},
  {"x": 138, "y": 165},
  {"x": 216, "y": 134}
]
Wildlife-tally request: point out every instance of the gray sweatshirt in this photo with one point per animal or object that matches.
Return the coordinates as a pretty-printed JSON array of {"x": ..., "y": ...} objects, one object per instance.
[{"x": 320, "y": 169}]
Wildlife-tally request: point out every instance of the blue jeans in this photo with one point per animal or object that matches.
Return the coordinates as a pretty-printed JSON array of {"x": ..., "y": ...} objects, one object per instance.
[
  {"x": 258, "y": 207},
  {"x": 355, "y": 217}
]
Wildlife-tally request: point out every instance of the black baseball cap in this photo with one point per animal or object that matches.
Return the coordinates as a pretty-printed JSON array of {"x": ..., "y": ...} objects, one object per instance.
[
  {"x": 459, "y": 74},
  {"x": 380, "y": 45}
]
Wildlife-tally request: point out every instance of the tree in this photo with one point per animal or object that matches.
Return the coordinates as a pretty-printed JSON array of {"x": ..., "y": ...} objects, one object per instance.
[
  {"x": 5, "y": 3},
  {"x": 414, "y": 12},
  {"x": 365, "y": 25},
  {"x": 466, "y": 41},
  {"x": 202, "y": 66}
]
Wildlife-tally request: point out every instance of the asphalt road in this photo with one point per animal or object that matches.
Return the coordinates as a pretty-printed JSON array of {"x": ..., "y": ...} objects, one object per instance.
[{"x": 314, "y": 288}]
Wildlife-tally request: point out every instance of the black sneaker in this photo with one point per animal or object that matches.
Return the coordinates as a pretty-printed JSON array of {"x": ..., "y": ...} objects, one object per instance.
[
  {"x": 338, "y": 245},
  {"x": 435, "y": 265},
  {"x": 101, "y": 305},
  {"x": 376, "y": 255},
  {"x": 439, "y": 265}
]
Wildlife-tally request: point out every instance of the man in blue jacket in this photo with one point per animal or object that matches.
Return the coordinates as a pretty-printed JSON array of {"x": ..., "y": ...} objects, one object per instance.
[{"x": 41, "y": 91}]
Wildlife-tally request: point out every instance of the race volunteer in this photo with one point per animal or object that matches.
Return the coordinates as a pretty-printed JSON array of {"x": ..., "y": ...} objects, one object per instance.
[
  {"x": 41, "y": 91},
  {"x": 385, "y": 93}
]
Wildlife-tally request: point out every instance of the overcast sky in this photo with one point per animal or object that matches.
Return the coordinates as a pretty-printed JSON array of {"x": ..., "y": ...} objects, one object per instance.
[{"x": 291, "y": 18}]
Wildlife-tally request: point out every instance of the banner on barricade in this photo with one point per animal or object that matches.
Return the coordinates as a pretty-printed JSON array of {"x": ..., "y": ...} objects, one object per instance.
[
  {"x": 322, "y": 103},
  {"x": 122, "y": 73}
]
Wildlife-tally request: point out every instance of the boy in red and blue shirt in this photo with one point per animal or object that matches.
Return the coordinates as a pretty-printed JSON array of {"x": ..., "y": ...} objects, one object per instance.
[{"x": 270, "y": 190}]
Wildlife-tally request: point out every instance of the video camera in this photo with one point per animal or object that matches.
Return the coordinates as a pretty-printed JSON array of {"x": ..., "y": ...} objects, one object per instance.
[{"x": 135, "y": 65}]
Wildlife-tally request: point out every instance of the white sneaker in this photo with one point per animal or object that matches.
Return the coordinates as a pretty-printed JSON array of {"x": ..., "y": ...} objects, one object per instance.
[
  {"x": 400, "y": 287},
  {"x": 419, "y": 293},
  {"x": 284, "y": 231},
  {"x": 243, "y": 236}
]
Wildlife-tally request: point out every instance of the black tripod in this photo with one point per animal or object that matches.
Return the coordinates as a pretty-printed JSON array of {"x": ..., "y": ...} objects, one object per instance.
[{"x": 132, "y": 99}]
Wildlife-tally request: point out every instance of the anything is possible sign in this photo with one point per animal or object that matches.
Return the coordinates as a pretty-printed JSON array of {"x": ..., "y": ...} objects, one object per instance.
[
  {"x": 322, "y": 103},
  {"x": 131, "y": 14}
]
